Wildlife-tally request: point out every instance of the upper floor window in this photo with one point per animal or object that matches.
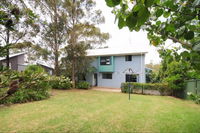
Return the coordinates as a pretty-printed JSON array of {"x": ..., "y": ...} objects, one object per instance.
[
  {"x": 128, "y": 57},
  {"x": 105, "y": 60}
]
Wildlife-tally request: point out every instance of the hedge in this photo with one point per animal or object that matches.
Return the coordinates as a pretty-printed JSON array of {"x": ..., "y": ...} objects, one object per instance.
[{"x": 163, "y": 88}]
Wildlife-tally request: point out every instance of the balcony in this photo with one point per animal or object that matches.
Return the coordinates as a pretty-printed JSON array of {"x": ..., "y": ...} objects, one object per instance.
[{"x": 106, "y": 64}]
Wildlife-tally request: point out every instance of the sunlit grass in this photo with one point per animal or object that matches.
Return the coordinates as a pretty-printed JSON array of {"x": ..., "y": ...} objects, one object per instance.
[{"x": 95, "y": 111}]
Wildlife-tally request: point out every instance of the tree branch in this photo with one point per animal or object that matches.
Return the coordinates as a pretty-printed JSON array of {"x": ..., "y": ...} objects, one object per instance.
[
  {"x": 181, "y": 42},
  {"x": 3, "y": 38},
  {"x": 20, "y": 38}
]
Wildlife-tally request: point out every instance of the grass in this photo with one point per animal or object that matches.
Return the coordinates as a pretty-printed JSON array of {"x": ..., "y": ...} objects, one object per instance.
[{"x": 95, "y": 111}]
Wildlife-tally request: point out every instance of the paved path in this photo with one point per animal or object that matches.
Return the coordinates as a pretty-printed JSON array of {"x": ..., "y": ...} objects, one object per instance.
[{"x": 107, "y": 89}]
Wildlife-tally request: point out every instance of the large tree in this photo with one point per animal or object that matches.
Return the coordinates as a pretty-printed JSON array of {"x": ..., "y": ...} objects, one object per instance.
[
  {"x": 53, "y": 20},
  {"x": 82, "y": 32},
  {"x": 16, "y": 24},
  {"x": 176, "y": 20}
]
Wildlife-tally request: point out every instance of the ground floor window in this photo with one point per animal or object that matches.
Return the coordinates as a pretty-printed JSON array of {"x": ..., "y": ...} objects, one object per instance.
[
  {"x": 107, "y": 75},
  {"x": 131, "y": 78}
]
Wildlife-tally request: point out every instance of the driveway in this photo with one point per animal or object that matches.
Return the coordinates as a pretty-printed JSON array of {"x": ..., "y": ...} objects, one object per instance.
[{"x": 107, "y": 89}]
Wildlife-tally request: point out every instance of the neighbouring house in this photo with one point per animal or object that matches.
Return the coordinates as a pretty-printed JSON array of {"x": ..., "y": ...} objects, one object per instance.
[
  {"x": 113, "y": 67},
  {"x": 17, "y": 62}
]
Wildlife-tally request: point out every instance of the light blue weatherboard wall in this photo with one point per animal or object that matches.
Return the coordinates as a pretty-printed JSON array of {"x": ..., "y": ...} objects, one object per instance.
[{"x": 118, "y": 76}]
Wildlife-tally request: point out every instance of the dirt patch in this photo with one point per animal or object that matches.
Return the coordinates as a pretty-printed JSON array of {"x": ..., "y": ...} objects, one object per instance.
[{"x": 107, "y": 89}]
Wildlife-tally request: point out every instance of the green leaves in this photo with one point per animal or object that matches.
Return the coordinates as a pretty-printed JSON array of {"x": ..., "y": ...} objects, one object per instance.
[
  {"x": 149, "y": 3},
  {"x": 131, "y": 20},
  {"x": 166, "y": 14},
  {"x": 163, "y": 19},
  {"x": 112, "y": 3},
  {"x": 189, "y": 35},
  {"x": 170, "y": 28},
  {"x": 143, "y": 15},
  {"x": 121, "y": 23},
  {"x": 136, "y": 18},
  {"x": 137, "y": 7},
  {"x": 159, "y": 12}
]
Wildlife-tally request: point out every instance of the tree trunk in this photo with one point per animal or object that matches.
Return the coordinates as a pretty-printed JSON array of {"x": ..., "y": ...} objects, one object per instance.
[
  {"x": 56, "y": 54},
  {"x": 73, "y": 73},
  {"x": 56, "y": 64},
  {"x": 73, "y": 44},
  {"x": 7, "y": 50}
]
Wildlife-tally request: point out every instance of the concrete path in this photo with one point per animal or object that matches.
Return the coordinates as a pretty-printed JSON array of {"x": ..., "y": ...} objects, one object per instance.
[{"x": 107, "y": 89}]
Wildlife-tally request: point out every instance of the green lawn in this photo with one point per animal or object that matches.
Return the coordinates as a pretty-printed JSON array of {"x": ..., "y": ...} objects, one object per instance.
[{"x": 95, "y": 111}]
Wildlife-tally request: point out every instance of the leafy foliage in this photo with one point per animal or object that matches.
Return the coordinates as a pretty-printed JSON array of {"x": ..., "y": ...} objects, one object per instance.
[
  {"x": 34, "y": 69},
  {"x": 194, "y": 97},
  {"x": 176, "y": 20},
  {"x": 34, "y": 86},
  {"x": 83, "y": 85},
  {"x": 175, "y": 69},
  {"x": 60, "y": 82}
]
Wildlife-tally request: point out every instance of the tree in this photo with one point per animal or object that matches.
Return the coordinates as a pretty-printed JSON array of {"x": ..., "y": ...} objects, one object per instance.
[
  {"x": 16, "y": 24},
  {"x": 82, "y": 33},
  {"x": 154, "y": 67},
  {"x": 34, "y": 51},
  {"x": 53, "y": 28},
  {"x": 175, "y": 70},
  {"x": 152, "y": 75},
  {"x": 176, "y": 20}
]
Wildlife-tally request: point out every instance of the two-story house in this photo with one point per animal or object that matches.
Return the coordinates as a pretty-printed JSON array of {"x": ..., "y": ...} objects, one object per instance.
[{"x": 113, "y": 67}]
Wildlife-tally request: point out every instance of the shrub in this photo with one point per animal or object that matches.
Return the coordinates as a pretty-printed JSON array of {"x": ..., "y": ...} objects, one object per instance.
[
  {"x": 33, "y": 87},
  {"x": 161, "y": 87},
  {"x": 194, "y": 97},
  {"x": 60, "y": 82},
  {"x": 83, "y": 85},
  {"x": 34, "y": 69}
]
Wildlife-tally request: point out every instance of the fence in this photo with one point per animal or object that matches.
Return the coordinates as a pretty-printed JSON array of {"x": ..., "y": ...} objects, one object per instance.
[{"x": 193, "y": 86}]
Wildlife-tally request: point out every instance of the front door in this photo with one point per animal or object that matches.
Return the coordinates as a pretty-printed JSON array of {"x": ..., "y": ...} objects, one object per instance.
[{"x": 95, "y": 79}]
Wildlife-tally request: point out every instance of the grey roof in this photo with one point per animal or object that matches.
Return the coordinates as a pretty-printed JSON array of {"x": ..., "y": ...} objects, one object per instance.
[
  {"x": 45, "y": 65},
  {"x": 13, "y": 55}
]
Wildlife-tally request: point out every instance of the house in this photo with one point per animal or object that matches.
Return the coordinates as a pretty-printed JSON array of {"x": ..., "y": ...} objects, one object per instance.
[
  {"x": 17, "y": 62},
  {"x": 115, "y": 66}
]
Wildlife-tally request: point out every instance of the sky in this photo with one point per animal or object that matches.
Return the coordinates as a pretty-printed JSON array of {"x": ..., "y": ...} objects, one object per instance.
[{"x": 124, "y": 38}]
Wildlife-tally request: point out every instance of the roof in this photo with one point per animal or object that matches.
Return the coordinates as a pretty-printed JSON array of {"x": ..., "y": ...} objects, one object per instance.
[
  {"x": 13, "y": 55},
  {"x": 45, "y": 65},
  {"x": 148, "y": 68},
  {"x": 39, "y": 63},
  {"x": 115, "y": 51}
]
